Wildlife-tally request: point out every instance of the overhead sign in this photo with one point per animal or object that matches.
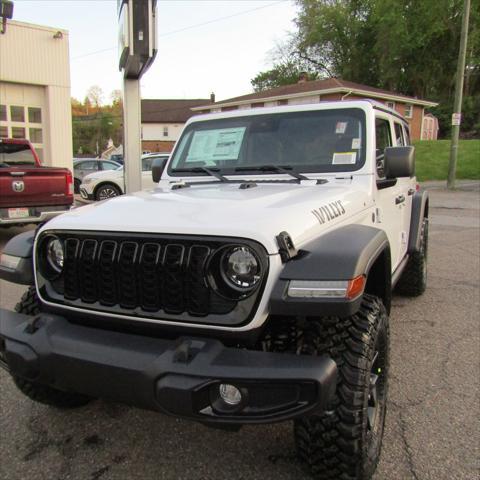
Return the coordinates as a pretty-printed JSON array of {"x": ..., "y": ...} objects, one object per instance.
[{"x": 137, "y": 36}]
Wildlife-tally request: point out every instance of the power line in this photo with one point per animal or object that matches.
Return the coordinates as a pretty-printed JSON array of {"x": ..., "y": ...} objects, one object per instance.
[{"x": 173, "y": 32}]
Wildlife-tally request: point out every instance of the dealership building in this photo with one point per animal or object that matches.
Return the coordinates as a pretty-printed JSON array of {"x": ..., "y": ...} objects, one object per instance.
[{"x": 35, "y": 90}]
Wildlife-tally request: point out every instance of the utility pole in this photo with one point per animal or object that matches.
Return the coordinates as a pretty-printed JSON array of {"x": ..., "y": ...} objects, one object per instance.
[{"x": 457, "y": 107}]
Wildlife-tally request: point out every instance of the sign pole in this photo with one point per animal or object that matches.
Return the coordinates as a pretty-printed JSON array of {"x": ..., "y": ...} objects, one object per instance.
[
  {"x": 457, "y": 107},
  {"x": 137, "y": 51},
  {"x": 132, "y": 148}
]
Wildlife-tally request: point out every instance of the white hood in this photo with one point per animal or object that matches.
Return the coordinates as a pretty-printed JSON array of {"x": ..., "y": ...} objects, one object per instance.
[{"x": 221, "y": 209}]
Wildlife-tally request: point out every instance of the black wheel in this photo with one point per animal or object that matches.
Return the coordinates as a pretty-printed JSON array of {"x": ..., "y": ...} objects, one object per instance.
[
  {"x": 107, "y": 190},
  {"x": 76, "y": 185},
  {"x": 413, "y": 281},
  {"x": 345, "y": 440},
  {"x": 30, "y": 305}
]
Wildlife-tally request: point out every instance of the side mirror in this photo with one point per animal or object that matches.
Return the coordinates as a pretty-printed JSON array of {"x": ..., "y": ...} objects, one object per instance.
[
  {"x": 158, "y": 166},
  {"x": 399, "y": 162}
]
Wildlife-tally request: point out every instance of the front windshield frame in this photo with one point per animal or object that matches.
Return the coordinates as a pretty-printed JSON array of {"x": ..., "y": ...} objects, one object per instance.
[{"x": 249, "y": 122}]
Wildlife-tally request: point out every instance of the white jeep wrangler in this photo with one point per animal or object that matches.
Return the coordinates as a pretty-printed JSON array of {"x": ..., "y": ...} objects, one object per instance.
[{"x": 252, "y": 285}]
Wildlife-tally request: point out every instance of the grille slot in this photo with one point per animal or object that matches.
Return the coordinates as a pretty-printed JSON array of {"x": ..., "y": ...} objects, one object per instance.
[
  {"x": 149, "y": 275},
  {"x": 172, "y": 279},
  {"x": 88, "y": 271}
]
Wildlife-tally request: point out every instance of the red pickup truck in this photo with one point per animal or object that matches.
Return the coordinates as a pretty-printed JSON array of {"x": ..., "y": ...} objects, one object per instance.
[{"x": 29, "y": 192}]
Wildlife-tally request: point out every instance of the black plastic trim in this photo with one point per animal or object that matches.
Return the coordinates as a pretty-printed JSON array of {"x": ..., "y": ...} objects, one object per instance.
[
  {"x": 172, "y": 376},
  {"x": 343, "y": 254},
  {"x": 419, "y": 211},
  {"x": 20, "y": 246}
]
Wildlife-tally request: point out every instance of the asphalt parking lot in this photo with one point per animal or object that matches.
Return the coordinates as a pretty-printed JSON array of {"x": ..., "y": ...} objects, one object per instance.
[{"x": 433, "y": 426}]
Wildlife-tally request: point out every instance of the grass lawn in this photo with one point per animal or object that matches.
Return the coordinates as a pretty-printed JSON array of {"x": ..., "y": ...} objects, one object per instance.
[{"x": 432, "y": 158}]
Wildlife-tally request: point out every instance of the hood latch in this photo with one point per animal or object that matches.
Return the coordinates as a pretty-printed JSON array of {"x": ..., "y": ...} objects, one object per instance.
[{"x": 286, "y": 248}]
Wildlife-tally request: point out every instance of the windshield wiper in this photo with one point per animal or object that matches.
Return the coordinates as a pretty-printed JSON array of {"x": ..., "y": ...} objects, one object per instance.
[
  {"x": 213, "y": 172},
  {"x": 273, "y": 168}
]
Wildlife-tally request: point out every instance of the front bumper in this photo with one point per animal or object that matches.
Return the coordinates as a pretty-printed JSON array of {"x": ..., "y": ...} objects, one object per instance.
[
  {"x": 179, "y": 377},
  {"x": 85, "y": 194}
]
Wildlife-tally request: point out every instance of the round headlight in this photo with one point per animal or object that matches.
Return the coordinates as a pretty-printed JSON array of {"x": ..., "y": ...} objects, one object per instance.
[
  {"x": 241, "y": 268},
  {"x": 55, "y": 254}
]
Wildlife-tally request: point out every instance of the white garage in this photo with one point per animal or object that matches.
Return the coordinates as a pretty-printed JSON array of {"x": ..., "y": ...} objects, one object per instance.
[{"x": 35, "y": 90}]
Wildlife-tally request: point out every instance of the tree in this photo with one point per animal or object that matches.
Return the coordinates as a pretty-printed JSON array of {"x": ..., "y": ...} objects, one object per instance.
[
  {"x": 408, "y": 46},
  {"x": 95, "y": 95},
  {"x": 282, "y": 74}
]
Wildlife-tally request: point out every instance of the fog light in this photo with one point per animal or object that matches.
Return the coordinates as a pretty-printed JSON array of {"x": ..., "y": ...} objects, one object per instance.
[{"x": 230, "y": 394}]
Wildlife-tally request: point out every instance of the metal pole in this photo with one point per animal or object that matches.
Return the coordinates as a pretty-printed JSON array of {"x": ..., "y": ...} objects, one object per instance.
[
  {"x": 132, "y": 148},
  {"x": 457, "y": 107}
]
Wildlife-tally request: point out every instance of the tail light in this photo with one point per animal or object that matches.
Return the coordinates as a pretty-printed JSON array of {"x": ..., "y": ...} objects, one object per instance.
[{"x": 69, "y": 184}]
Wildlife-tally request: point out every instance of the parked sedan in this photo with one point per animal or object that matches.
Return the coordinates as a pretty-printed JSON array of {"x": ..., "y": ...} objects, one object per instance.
[
  {"x": 86, "y": 166},
  {"x": 103, "y": 185}
]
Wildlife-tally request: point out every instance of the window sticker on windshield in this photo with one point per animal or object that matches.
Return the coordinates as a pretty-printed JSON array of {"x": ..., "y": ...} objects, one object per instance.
[
  {"x": 341, "y": 127},
  {"x": 356, "y": 143},
  {"x": 344, "y": 158},
  {"x": 212, "y": 145}
]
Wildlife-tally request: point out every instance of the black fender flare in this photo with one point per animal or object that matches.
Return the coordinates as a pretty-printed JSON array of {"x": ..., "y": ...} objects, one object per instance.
[
  {"x": 342, "y": 254},
  {"x": 20, "y": 246},
  {"x": 420, "y": 205}
]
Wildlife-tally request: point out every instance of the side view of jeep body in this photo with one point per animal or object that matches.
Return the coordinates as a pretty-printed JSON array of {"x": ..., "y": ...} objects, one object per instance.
[{"x": 252, "y": 285}]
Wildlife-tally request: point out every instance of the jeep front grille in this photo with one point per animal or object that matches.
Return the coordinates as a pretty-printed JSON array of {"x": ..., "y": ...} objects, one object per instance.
[{"x": 149, "y": 276}]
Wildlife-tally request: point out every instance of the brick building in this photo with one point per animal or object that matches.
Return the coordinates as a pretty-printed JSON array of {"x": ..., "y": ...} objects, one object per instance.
[
  {"x": 163, "y": 120},
  {"x": 413, "y": 109}
]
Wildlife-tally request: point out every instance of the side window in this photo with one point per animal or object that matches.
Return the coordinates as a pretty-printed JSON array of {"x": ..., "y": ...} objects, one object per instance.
[
  {"x": 109, "y": 166},
  {"x": 383, "y": 139},
  {"x": 399, "y": 135},
  {"x": 90, "y": 166},
  {"x": 147, "y": 164}
]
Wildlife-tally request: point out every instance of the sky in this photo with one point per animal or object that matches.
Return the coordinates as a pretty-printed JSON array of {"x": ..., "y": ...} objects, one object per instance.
[{"x": 204, "y": 46}]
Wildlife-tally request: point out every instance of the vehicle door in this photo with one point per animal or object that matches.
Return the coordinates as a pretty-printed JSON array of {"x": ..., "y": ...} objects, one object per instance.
[
  {"x": 389, "y": 210},
  {"x": 85, "y": 168},
  {"x": 147, "y": 181},
  {"x": 407, "y": 187}
]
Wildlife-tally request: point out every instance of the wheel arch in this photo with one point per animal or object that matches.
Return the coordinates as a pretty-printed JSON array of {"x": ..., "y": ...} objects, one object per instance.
[
  {"x": 342, "y": 254},
  {"x": 107, "y": 182},
  {"x": 420, "y": 210}
]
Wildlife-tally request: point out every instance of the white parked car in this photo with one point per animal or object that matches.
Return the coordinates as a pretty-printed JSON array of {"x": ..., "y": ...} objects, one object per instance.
[{"x": 110, "y": 183}]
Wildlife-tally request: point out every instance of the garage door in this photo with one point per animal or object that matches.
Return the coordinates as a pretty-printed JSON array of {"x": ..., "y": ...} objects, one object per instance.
[{"x": 22, "y": 114}]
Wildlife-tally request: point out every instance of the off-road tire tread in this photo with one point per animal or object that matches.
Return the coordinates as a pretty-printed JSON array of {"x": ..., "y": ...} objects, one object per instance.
[
  {"x": 29, "y": 304},
  {"x": 333, "y": 444}
]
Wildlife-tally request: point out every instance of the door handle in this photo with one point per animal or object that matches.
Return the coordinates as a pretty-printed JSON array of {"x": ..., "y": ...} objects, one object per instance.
[
  {"x": 400, "y": 199},
  {"x": 411, "y": 191}
]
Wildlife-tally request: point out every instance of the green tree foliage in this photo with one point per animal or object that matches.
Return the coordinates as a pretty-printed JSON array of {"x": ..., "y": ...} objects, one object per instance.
[
  {"x": 281, "y": 74},
  {"x": 94, "y": 124},
  {"x": 408, "y": 46}
]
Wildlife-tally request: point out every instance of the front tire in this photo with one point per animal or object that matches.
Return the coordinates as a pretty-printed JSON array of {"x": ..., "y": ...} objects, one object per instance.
[
  {"x": 344, "y": 441},
  {"x": 106, "y": 191},
  {"x": 29, "y": 304},
  {"x": 413, "y": 281}
]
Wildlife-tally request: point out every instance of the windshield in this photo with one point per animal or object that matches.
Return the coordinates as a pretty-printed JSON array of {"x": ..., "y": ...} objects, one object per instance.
[
  {"x": 312, "y": 141},
  {"x": 12, "y": 154}
]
